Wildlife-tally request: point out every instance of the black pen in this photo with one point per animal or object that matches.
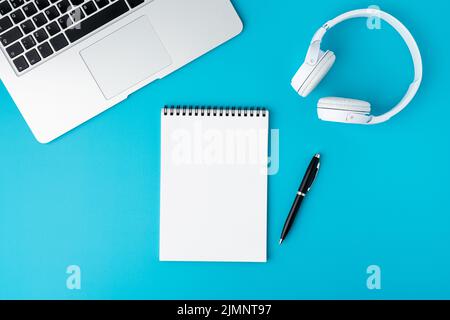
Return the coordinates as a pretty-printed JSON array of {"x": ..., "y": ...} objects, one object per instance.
[{"x": 308, "y": 179}]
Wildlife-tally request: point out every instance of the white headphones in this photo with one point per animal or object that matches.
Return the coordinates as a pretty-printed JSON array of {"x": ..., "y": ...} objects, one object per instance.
[{"x": 318, "y": 63}]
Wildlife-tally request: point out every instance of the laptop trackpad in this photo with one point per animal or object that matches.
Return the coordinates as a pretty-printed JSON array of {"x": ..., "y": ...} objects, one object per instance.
[{"x": 126, "y": 57}]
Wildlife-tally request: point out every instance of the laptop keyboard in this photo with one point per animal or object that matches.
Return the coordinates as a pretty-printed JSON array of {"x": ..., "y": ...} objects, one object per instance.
[{"x": 32, "y": 31}]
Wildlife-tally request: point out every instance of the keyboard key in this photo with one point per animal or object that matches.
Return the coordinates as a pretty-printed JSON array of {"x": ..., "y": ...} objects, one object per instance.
[
  {"x": 89, "y": 8},
  {"x": 5, "y": 7},
  {"x": 52, "y": 13},
  {"x": 64, "y": 6},
  {"x": 17, "y": 16},
  {"x": 76, "y": 2},
  {"x": 135, "y": 3},
  {"x": 28, "y": 42},
  {"x": 14, "y": 50},
  {"x": 45, "y": 50},
  {"x": 97, "y": 20},
  {"x": 16, "y": 3},
  {"x": 11, "y": 36},
  {"x": 101, "y": 3},
  {"x": 77, "y": 15},
  {"x": 59, "y": 42},
  {"x": 5, "y": 24},
  {"x": 40, "y": 20},
  {"x": 21, "y": 64},
  {"x": 33, "y": 56},
  {"x": 53, "y": 1},
  {"x": 29, "y": 9},
  {"x": 42, "y": 4},
  {"x": 65, "y": 21},
  {"x": 40, "y": 35},
  {"x": 53, "y": 28},
  {"x": 27, "y": 26}
]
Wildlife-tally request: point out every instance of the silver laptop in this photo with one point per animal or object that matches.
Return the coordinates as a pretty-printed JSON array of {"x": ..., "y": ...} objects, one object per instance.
[{"x": 66, "y": 61}]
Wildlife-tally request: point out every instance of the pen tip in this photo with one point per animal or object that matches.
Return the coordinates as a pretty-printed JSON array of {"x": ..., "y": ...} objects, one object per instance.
[
  {"x": 281, "y": 241},
  {"x": 317, "y": 155}
]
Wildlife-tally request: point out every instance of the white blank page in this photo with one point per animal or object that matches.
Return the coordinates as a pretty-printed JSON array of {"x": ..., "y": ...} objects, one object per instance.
[{"x": 213, "y": 201}]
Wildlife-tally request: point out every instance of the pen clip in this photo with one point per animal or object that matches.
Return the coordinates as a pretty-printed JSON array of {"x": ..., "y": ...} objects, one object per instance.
[{"x": 315, "y": 176}]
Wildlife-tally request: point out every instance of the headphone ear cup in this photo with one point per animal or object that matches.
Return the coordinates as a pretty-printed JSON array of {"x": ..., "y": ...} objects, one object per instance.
[
  {"x": 344, "y": 110},
  {"x": 318, "y": 73}
]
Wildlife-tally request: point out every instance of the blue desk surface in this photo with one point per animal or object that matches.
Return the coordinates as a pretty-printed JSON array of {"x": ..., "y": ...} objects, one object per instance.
[{"x": 91, "y": 198}]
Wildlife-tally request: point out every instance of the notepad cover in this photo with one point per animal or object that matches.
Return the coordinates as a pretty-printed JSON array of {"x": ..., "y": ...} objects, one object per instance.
[{"x": 213, "y": 198}]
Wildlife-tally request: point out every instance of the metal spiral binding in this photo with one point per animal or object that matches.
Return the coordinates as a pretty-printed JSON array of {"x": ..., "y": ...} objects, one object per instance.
[{"x": 214, "y": 111}]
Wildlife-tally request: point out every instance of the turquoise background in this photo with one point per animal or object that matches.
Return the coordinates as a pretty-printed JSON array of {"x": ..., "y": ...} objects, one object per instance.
[{"x": 91, "y": 198}]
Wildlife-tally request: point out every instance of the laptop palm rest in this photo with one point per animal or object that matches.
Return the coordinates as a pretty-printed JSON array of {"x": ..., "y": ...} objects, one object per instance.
[{"x": 125, "y": 58}]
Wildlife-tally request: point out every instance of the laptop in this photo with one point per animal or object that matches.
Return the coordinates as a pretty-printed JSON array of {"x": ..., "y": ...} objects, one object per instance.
[{"x": 65, "y": 61}]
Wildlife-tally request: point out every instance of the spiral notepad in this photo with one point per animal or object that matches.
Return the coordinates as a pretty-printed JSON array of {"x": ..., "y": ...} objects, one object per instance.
[{"x": 213, "y": 184}]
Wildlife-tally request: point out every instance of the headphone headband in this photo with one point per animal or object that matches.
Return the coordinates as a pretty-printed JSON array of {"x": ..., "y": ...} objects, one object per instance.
[{"x": 314, "y": 53}]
